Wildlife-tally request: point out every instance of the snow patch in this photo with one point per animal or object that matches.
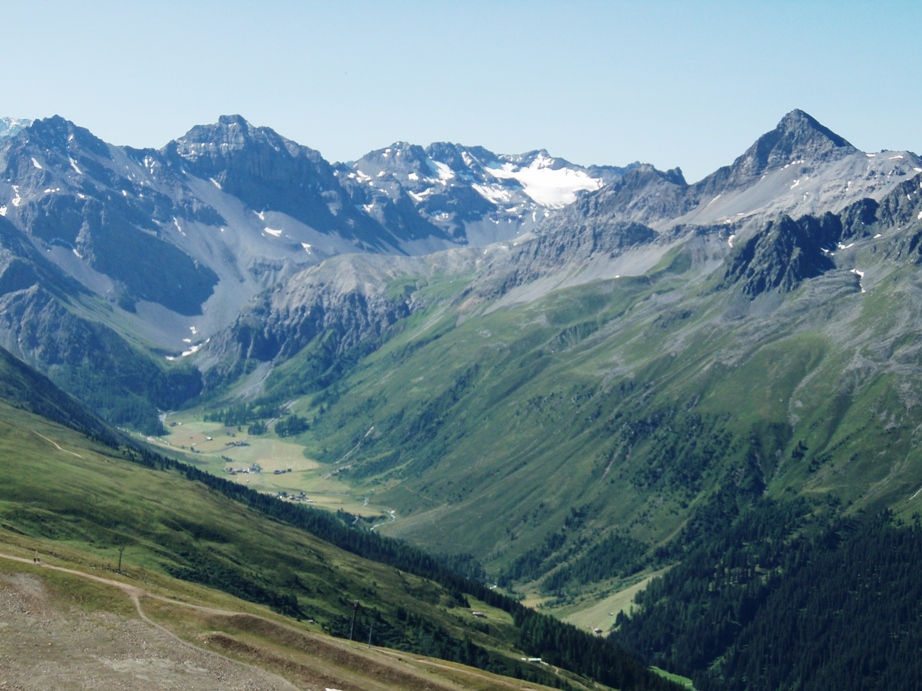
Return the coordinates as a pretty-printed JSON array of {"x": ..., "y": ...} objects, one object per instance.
[
  {"x": 194, "y": 349},
  {"x": 37, "y": 164},
  {"x": 920, "y": 215},
  {"x": 272, "y": 231},
  {"x": 368, "y": 207},
  {"x": 361, "y": 177},
  {"x": 493, "y": 193},
  {"x": 870, "y": 155},
  {"x": 306, "y": 247},
  {"x": 3, "y": 210},
  {"x": 216, "y": 183},
  {"x": 893, "y": 158},
  {"x": 413, "y": 176},
  {"x": 730, "y": 241},
  {"x": 17, "y": 198},
  {"x": 422, "y": 195},
  {"x": 877, "y": 236},
  {"x": 553, "y": 188},
  {"x": 382, "y": 174},
  {"x": 796, "y": 183},
  {"x": 444, "y": 172},
  {"x": 860, "y": 275},
  {"x": 712, "y": 201},
  {"x": 176, "y": 223},
  {"x": 73, "y": 164},
  {"x": 845, "y": 247}
]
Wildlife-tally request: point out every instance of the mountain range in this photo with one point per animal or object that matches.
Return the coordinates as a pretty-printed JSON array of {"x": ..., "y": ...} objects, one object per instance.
[
  {"x": 575, "y": 376},
  {"x": 166, "y": 246}
]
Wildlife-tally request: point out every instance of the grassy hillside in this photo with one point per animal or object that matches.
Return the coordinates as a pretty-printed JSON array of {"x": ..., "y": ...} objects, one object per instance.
[
  {"x": 531, "y": 428},
  {"x": 81, "y": 502}
]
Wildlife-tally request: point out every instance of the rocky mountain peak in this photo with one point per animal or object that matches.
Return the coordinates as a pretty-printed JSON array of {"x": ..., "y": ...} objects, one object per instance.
[
  {"x": 798, "y": 137},
  {"x": 234, "y": 121},
  {"x": 452, "y": 155},
  {"x": 399, "y": 156},
  {"x": 61, "y": 136},
  {"x": 233, "y": 134}
]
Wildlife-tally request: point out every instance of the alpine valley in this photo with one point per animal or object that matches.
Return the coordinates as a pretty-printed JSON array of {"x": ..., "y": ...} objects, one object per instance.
[{"x": 685, "y": 416}]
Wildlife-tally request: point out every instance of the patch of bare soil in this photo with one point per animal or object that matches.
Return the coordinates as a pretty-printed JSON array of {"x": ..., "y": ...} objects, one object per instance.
[{"x": 45, "y": 647}]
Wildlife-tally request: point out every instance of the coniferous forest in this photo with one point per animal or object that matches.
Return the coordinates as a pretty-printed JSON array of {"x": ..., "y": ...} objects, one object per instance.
[{"x": 770, "y": 603}]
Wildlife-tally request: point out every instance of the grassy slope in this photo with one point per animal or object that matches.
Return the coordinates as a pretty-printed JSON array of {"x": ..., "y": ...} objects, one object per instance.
[
  {"x": 230, "y": 628},
  {"x": 84, "y": 498},
  {"x": 76, "y": 500},
  {"x": 630, "y": 400}
]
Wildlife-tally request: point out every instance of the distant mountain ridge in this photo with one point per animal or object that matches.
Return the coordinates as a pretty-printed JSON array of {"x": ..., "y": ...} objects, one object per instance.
[
  {"x": 468, "y": 192},
  {"x": 799, "y": 168},
  {"x": 155, "y": 251}
]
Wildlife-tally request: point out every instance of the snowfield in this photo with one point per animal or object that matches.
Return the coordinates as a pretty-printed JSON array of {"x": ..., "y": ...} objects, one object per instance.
[{"x": 548, "y": 187}]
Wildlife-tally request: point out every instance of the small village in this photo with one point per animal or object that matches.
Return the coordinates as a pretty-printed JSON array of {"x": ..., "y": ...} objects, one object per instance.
[
  {"x": 302, "y": 497},
  {"x": 252, "y": 470}
]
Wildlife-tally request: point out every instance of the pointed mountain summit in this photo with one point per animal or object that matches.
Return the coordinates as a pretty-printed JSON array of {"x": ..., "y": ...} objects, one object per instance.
[
  {"x": 221, "y": 144},
  {"x": 798, "y": 137},
  {"x": 800, "y": 167}
]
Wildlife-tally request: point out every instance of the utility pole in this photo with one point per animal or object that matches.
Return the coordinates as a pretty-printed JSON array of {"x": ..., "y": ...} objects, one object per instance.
[
  {"x": 355, "y": 608},
  {"x": 120, "y": 550},
  {"x": 370, "y": 631}
]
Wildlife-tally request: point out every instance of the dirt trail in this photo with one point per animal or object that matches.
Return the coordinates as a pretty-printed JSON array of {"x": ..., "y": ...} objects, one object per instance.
[
  {"x": 136, "y": 593},
  {"x": 385, "y": 667},
  {"x": 55, "y": 444}
]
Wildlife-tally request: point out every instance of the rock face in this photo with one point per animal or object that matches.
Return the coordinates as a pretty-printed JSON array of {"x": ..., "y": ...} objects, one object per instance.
[
  {"x": 779, "y": 257},
  {"x": 269, "y": 173}
]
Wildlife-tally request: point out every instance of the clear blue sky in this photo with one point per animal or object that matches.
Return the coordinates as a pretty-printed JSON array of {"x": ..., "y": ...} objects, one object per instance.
[{"x": 687, "y": 84}]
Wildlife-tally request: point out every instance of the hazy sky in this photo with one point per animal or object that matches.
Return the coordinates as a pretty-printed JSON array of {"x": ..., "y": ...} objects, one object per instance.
[{"x": 687, "y": 84}]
